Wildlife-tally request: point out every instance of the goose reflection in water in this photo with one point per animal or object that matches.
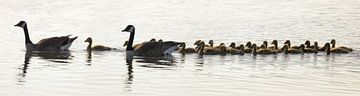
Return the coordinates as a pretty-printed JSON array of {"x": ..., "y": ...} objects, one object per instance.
[
  {"x": 129, "y": 80},
  {"x": 57, "y": 57}
]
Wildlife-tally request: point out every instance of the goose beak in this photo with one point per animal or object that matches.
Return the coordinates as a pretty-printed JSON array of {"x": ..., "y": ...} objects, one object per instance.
[{"x": 17, "y": 25}]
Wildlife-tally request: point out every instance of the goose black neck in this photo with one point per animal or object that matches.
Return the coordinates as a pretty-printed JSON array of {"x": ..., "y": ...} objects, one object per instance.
[
  {"x": 27, "y": 37},
  {"x": 131, "y": 40},
  {"x": 89, "y": 46}
]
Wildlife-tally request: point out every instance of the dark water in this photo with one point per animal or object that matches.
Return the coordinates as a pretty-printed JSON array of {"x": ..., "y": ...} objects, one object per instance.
[{"x": 109, "y": 73}]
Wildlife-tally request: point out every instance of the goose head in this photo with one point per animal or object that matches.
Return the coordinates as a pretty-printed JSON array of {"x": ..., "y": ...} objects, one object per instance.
[
  {"x": 241, "y": 47},
  {"x": 232, "y": 45},
  {"x": 302, "y": 47},
  {"x": 211, "y": 42},
  {"x": 129, "y": 28},
  {"x": 248, "y": 44},
  {"x": 88, "y": 40},
  {"x": 21, "y": 24},
  {"x": 265, "y": 44},
  {"x": 316, "y": 45},
  {"x": 182, "y": 45},
  {"x": 153, "y": 40},
  {"x": 274, "y": 42},
  {"x": 333, "y": 43},
  {"x": 160, "y": 41},
  {"x": 287, "y": 42},
  {"x": 327, "y": 48},
  {"x": 307, "y": 43}
]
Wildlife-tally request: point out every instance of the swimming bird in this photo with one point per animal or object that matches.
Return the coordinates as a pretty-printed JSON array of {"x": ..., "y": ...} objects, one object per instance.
[
  {"x": 211, "y": 50},
  {"x": 275, "y": 47},
  {"x": 289, "y": 44},
  {"x": 329, "y": 50},
  {"x": 248, "y": 47},
  {"x": 233, "y": 50},
  {"x": 256, "y": 51},
  {"x": 149, "y": 49},
  {"x": 184, "y": 50},
  {"x": 61, "y": 43},
  {"x": 333, "y": 42},
  {"x": 288, "y": 50},
  {"x": 96, "y": 47}
]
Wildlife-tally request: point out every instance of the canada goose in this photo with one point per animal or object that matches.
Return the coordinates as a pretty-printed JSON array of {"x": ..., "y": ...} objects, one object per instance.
[
  {"x": 262, "y": 50},
  {"x": 329, "y": 50},
  {"x": 233, "y": 50},
  {"x": 96, "y": 47},
  {"x": 276, "y": 47},
  {"x": 248, "y": 48},
  {"x": 184, "y": 50},
  {"x": 149, "y": 49},
  {"x": 210, "y": 50},
  {"x": 307, "y": 44},
  {"x": 288, "y": 50},
  {"x": 135, "y": 45},
  {"x": 333, "y": 42},
  {"x": 61, "y": 43},
  {"x": 232, "y": 45},
  {"x": 211, "y": 43},
  {"x": 289, "y": 44}
]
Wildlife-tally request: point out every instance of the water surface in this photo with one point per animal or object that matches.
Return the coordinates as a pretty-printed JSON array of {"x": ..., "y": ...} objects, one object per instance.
[{"x": 109, "y": 74}]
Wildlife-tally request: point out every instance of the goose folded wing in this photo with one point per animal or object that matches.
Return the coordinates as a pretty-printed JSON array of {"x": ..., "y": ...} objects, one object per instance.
[{"x": 52, "y": 42}]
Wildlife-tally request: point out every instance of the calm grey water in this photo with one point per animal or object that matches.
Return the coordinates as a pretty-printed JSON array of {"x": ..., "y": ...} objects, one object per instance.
[{"x": 108, "y": 74}]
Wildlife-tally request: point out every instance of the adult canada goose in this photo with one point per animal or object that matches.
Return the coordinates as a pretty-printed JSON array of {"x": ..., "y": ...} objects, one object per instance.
[
  {"x": 184, "y": 50},
  {"x": 210, "y": 50},
  {"x": 288, "y": 50},
  {"x": 149, "y": 49},
  {"x": 289, "y": 44},
  {"x": 96, "y": 47},
  {"x": 333, "y": 42},
  {"x": 262, "y": 50},
  {"x": 61, "y": 43},
  {"x": 329, "y": 50}
]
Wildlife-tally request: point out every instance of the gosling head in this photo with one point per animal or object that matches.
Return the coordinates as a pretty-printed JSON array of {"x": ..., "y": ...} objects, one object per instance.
[
  {"x": 21, "y": 24},
  {"x": 274, "y": 42},
  {"x": 211, "y": 42},
  {"x": 248, "y": 44},
  {"x": 307, "y": 43},
  {"x": 265, "y": 43},
  {"x": 332, "y": 41},
  {"x": 160, "y": 41},
  {"x": 232, "y": 45},
  {"x": 129, "y": 28},
  {"x": 197, "y": 42},
  {"x": 153, "y": 40}
]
